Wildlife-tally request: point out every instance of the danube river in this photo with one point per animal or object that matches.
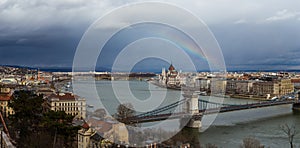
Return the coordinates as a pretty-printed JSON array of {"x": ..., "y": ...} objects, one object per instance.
[{"x": 228, "y": 130}]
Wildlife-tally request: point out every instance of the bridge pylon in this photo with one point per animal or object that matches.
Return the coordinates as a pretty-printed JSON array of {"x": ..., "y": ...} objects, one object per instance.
[
  {"x": 296, "y": 105},
  {"x": 191, "y": 107}
]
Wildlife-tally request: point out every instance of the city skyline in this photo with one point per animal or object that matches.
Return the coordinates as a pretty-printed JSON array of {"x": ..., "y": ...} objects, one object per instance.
[{"x": 144, "y": 73}]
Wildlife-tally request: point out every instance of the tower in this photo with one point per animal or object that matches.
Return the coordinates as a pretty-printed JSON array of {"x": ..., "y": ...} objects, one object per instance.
[
  {"x": 192, "y": 108},
  {"x": 163, "y": 72}
]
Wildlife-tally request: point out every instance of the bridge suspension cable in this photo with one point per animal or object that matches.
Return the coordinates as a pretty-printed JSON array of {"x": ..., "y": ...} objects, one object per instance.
[{"x": 162, "y": 109}]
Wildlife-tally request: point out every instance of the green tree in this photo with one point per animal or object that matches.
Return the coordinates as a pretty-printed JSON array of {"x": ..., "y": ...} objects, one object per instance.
[
  {"x": 26, "y": 119},
  {"x": 31, "y": 127},
  {"x": 59, "y": 124}
]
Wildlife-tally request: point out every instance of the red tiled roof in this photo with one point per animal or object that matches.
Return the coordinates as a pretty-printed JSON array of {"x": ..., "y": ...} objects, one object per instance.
[
  {"x": 295, "y": 80},
  {"x": 65, "y": 96},
  {"x": 5, "y": 97},
  {"x": 85, "y": 125},
  {"x": 100, "y": 126}
]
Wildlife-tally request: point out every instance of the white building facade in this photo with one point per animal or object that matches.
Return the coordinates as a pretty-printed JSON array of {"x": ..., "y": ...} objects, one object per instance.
[{"x": 69, "y": 103}]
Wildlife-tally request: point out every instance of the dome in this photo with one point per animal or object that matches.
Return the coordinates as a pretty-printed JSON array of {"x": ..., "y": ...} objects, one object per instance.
[
  {"x": 171, "y": 68},
  {"x": 85, "y": 125}
]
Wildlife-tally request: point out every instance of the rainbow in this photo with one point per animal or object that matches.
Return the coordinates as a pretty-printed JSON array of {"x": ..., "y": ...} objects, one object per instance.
[{"x": 144, "y": 30}]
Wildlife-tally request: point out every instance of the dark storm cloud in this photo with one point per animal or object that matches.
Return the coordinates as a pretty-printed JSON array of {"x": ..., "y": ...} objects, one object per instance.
[
  {"x": 253, "y": 34},
  {"x": 259, "y": 45},
  {"x": 35, "y": 33},
  {"x": 45, "y": 33},
  {"x": 50, "y": 46}
]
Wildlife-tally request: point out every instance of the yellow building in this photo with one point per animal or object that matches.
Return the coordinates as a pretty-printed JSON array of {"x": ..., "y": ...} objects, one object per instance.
[
  {"x": 274, "y": 88},
  {"x": 98, "y": 133},
  {"x": 264, "y": 88},
  {"x": 67, "y": 102},
  {"x": 84, "y": 136},
  {"x": 5, "y": 98},
  {"x": 285, "y": 86},
  {"x": 111, "y": 131}
]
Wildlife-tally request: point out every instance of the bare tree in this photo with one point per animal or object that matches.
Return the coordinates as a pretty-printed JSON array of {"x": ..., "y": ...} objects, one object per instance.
[
  {"x": 251, "y": 142},
  {"x": 100, "y": 113},
  {"x": 124, "y": 112},
  {"x": 290, "y": 131}
]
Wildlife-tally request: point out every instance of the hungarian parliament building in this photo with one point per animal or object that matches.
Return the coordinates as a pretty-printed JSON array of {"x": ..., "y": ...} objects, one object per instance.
[{"x": 171, "y": 78}]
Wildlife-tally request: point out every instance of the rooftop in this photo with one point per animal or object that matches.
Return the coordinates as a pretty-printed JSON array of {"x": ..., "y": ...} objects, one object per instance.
[
  {"x": 5, "y": 97},
  {"x": 64, "y": 97},
  {"x": 99, "y": 125},
  {"x": 171, "y": 68}
]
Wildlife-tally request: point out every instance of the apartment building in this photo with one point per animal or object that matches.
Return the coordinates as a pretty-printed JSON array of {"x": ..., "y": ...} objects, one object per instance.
[
  {"x": 266, "y": 87},
  {"x": 69, "y": 103},
  {"x": 5, "y": 98},
  {"x": 277, "y": 87}
]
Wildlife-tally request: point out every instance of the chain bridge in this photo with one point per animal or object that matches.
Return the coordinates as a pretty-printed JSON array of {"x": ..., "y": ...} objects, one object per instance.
[{"x": 194, "y": 107}]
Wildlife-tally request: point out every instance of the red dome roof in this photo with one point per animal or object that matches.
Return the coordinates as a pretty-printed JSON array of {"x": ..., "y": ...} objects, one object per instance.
[
  {"x": 85, "y": 125},
  {"x": 171, "y": 68}
]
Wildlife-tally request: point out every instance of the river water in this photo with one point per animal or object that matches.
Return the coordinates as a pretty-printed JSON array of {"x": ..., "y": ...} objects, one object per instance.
[{"x": 228, "y": 130}]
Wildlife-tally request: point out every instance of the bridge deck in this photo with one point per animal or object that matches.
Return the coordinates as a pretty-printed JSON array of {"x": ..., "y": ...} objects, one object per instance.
[{"x": 245, "y": 106}]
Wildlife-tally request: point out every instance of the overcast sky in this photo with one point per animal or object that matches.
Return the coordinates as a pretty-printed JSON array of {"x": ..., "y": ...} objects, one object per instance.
[{"x": 253, "y": 34}]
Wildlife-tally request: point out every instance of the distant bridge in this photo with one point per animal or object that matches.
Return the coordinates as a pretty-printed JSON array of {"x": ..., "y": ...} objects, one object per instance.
[{"x": 193, "y": 107}]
